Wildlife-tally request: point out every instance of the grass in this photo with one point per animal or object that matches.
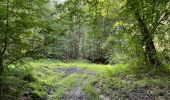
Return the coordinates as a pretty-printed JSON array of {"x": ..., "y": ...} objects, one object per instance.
[
  {"x": 43, "y": 81},
  {"x": 65, "y": 85},
  {"x": 46, "y": 76},
  {"x": 90, "y": 92},
  {"x": 128, "y": 84},
  {"x": 99, "y": 68}
]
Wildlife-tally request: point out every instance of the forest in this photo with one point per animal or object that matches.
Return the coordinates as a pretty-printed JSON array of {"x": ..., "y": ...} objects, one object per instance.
[{"x": 84, "y": 49}]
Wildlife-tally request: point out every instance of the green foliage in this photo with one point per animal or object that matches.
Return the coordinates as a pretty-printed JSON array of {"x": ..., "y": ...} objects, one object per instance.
[
  {"x": 20, "y": 34},
  {"x": 15, "y": 80}
]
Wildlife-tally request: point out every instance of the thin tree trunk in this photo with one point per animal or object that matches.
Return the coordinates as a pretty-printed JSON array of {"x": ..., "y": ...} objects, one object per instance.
[
  {"x": 1, "y": 64},
  {"x": 4, "y": 50},
  {"x": 1, "y": 77}
]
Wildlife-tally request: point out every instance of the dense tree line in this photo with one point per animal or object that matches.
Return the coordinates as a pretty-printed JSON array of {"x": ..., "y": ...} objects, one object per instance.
[
  {"x": 89, "y": 29},
  {"x": 116, "y": 30}
]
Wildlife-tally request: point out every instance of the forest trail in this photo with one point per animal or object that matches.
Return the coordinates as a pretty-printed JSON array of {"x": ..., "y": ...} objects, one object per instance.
[
  {"x": 76, "y": 92},
  {"x": 86, "y": 81},
  {"x": 73, "y": 70},
  {"x": 55, "y": 80}
]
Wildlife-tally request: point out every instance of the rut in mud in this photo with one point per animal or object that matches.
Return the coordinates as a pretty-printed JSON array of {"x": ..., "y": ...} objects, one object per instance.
[
  {"x": 73, "y": 70},
  {"x": 76, "y": 93}
]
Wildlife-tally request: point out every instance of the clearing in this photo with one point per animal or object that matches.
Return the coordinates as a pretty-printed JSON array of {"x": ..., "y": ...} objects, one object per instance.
[{"x": 55, "y": 80}]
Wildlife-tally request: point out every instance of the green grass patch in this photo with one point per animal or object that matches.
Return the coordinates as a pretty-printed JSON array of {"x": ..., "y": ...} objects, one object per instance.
[
  {"x": 115, "y": 81},
  {"x": 90, "y": 92},
  {"x": 65, "y": 84}
]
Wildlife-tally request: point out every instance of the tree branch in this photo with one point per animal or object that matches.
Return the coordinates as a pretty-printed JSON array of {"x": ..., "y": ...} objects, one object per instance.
[
  {"x": 7, "y": 27},
  {"x": 162, "y": 18},
  {"x": 22, "y": 56}
]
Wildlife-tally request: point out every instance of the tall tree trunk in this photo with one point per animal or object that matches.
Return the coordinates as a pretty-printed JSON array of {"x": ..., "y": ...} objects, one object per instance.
[{"x": 150, "y": 51}]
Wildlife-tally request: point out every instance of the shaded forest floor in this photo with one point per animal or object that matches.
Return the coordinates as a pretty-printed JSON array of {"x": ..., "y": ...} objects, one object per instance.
[{"x": 80, "y": 80}]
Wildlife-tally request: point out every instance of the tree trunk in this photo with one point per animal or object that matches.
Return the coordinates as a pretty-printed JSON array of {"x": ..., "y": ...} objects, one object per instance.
[
  {"x": 150, "y": 51},
  {"x": 3, "y": 51},
  {"x": 1, "y": 64},
  {"x": 1, "y": 77}
]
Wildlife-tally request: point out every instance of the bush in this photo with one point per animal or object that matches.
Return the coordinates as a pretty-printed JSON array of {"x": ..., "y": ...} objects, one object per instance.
[{"x": 14, "y": 81}]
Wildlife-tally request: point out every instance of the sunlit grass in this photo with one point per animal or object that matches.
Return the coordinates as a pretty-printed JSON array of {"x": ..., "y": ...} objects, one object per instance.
[
  {"x": 45, "y": 73},
  {"x": 67, "y": 84},
  {"x": 98, "y": 68},
  {"x": 40, "y": 76},
  {"x": 108, "y": 77}
]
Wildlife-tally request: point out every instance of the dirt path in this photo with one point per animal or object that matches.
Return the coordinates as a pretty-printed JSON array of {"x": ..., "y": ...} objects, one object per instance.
[
  {"x": 76, "y": 93},
  {"x": 73, "y": 70},
  {"x": 101, "y": 96}
]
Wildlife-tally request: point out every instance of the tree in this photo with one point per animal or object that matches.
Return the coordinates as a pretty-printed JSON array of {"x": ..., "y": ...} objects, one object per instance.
[
  {"x": 149, "y": 16},
  {"x": 20, "y": 25}
]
